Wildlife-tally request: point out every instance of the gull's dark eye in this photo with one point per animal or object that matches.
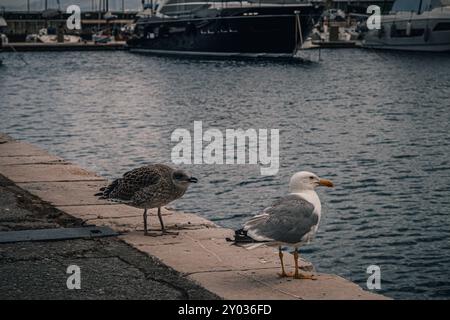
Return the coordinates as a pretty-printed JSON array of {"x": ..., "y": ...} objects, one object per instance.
[
  {"x": 178, "y": 176},
  {"x": 311, "y": 178}
]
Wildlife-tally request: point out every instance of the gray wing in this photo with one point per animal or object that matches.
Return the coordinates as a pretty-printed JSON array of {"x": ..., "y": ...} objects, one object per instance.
[{"x": 288, "y": 220}]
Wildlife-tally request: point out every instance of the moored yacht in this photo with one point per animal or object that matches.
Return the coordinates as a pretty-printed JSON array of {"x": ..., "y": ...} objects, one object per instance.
[
  {"x": 413, "y": 25},
  {"x": 226, "y": 28}
]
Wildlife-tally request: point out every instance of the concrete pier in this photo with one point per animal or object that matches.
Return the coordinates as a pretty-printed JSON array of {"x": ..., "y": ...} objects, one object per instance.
[{"x": 200, "y": 251}]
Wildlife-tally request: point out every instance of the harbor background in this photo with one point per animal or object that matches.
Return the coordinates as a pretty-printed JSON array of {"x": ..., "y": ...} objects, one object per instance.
[
  {"x": 29, "y": 17},
  {"x": 375, "y": 123}
]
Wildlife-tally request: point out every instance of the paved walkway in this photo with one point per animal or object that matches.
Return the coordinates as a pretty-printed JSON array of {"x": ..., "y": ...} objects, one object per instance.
[{"x": 110, "y": 269}]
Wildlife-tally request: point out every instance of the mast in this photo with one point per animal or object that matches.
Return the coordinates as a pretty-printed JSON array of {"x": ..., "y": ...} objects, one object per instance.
[{"x": 99, "y": 13}]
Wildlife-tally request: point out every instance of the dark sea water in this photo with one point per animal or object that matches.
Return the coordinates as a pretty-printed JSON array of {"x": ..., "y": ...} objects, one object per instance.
[{"x": 377, "y": 124}]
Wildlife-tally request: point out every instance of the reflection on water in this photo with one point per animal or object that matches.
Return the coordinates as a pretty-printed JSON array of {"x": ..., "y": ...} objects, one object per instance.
[{"x": 375, "y": 124}]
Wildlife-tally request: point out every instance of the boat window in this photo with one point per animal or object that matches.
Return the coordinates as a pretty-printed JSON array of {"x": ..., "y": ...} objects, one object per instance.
[
  {"x": 401, "y": 33},
  {"x": 442, "y": 26},
  {"x": 406, "y": 5}
]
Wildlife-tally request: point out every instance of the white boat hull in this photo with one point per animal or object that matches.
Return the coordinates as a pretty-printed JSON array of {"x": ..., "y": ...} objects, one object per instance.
[{"x": 425, "y": 32}]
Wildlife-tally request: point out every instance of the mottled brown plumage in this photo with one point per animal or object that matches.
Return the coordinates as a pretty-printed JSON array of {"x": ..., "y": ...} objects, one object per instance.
[{"x": 151, "y": 186}]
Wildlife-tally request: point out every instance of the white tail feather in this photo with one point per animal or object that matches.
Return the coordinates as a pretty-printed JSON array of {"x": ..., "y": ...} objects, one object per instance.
[{"x": 252, "y": 246}]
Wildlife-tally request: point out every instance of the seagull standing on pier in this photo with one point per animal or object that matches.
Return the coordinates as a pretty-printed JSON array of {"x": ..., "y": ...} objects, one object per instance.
[
  {"x": 147, "y": 187},
  {"x": 291, "y": 221}
]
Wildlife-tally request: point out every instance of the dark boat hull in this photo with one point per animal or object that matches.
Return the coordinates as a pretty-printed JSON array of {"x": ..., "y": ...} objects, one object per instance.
[{"x": 271, "y": 33}]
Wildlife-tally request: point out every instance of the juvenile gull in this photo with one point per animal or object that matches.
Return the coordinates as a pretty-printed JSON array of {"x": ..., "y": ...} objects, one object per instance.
[
  {"x": 147, "y": 187},
  {"x": 291, "y": 221}
]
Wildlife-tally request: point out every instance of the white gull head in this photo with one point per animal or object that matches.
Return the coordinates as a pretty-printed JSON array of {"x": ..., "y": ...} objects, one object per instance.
[
  {"x": 303, "y": 184},
  {"x": 303, "y": 181}
]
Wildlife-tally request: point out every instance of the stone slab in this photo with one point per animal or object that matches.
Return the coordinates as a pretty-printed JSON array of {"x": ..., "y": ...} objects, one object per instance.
[
  {"x": 125, "y": 218},
  {"x": 66, "y": 193},
  {"x": 92, "y": 212},
  {"x": 20, "y": 160},
  {"x": 264, "y": 284},
  {"x": 206, "y": 250},
  {"x": 16, "y": 148},
  {"x": 46, "y": 172}
]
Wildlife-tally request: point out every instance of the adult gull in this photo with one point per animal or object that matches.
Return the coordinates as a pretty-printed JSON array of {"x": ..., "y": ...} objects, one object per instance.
[{"x": 290, "y": 221}]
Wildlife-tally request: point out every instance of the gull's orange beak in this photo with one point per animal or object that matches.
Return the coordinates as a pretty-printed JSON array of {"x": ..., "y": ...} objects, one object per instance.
[{"x": 326, "y": 183}]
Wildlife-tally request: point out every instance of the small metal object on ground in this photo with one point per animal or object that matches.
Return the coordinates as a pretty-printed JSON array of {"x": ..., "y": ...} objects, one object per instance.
[{"x": 56, "y": 234}]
